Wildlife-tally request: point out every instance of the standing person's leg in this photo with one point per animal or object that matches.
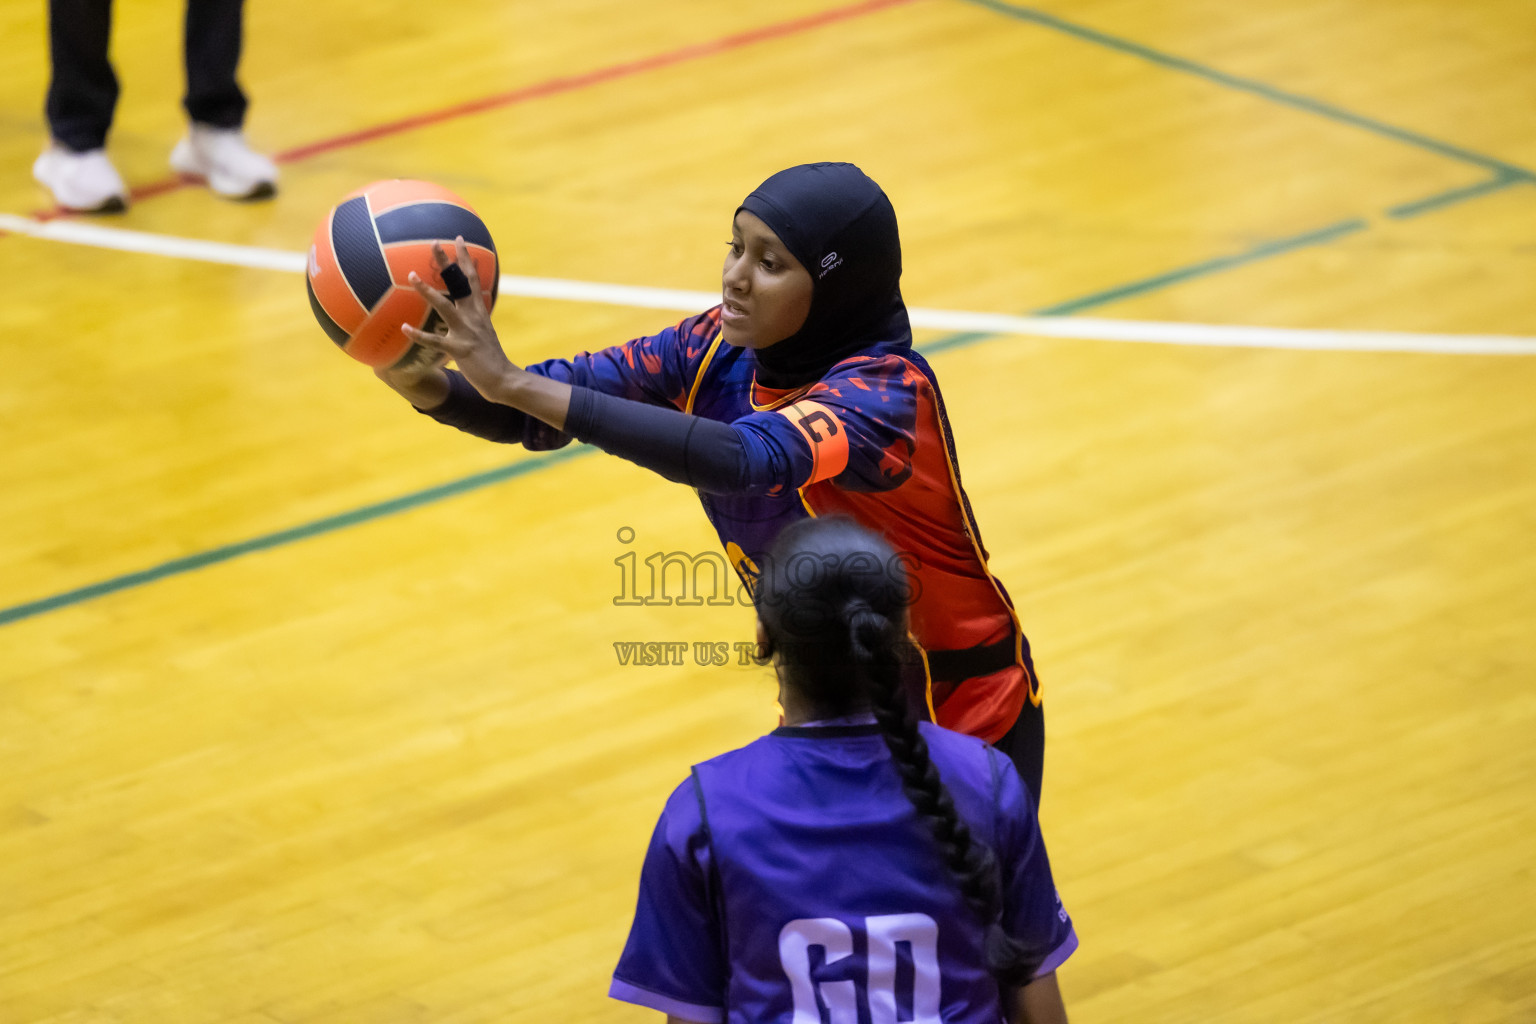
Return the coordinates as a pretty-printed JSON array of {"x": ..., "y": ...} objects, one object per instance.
[
  {"x": 213, "y": 39},
  {"x": 215, "y": 148},
  {"x": 82, "y": 95}
]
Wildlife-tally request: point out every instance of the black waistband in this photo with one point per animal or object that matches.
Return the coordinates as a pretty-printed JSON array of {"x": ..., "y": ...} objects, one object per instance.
[{"x": 948, "y": 669}]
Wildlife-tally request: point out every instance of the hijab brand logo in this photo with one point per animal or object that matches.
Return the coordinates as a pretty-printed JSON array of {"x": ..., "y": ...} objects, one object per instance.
[{"x": 830, "y": 262}]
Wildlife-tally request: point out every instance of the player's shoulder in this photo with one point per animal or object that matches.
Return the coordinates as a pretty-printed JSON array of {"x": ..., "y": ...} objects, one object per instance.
[
  {"x": 736, "y": 762},
  {"x": 682, "y": 818},
  {"x": 692, "y": 333},
  {"x": 958, "y": 745},
  {"x": 961, "y": 757},
  {"x": 699, "y": 329},
  {"x": 876, "y": 363},
  {"x": 722, "y": 774},
  {"x": 872, "y": 373}
]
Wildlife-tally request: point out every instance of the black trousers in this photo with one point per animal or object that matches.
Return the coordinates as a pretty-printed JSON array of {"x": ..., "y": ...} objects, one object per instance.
[
  {"x": 83, "y": 91},
  {"x": 1024, "y": 744}
]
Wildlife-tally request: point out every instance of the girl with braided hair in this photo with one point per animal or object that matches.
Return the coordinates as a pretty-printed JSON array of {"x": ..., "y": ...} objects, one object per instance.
[{"x": 856, "y": 864}]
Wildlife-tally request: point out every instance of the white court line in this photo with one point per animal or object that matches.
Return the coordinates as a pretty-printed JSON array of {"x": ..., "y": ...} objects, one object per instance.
[{"x": 1086, "y": 328}]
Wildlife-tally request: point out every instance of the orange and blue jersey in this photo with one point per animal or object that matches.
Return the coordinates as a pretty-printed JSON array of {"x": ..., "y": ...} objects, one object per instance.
[{"x": 870, "y": 439}]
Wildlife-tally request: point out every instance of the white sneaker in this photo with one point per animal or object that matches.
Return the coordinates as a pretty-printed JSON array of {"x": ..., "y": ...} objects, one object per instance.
[
  {"x": 84, "y": 182},
  {"x": 221, "y": 157}
]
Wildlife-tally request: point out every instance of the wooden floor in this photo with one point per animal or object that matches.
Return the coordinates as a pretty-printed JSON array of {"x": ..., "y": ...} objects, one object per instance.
[{"x": 274, "y": 751}]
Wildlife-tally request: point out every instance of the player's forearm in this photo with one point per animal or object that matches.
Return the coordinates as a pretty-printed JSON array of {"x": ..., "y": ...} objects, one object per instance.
[
  {"x": 464, "y": 408},
  {"x": 540, "y": 397}
]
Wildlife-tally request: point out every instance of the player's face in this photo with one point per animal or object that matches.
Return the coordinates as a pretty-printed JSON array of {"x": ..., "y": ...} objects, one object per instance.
[{"x": 767, "y": 293}]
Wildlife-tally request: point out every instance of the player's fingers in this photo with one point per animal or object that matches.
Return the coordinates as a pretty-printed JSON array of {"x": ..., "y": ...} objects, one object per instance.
[
  {"x": 429, "y": 340},
  {"x": 457, "y": 284},
  {"x": 467, "y": 264},
  {"x": 436, "y": 299},
  {"x": 408, "y": 371},
  {"x": 443, "y": 346}
]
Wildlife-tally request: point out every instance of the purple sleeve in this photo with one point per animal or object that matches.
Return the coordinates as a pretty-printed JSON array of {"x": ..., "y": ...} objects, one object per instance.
[
  {"x": 674, "y": 960},
  {"x": 657, "y": 370},
  {"x": 1032, "y": 910}
]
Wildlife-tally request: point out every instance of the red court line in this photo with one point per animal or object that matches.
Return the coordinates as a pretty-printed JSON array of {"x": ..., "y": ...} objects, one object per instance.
[{"x": 550, "y": 87}]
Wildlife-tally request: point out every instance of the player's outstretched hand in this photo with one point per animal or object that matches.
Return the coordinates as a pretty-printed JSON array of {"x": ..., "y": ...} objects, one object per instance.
[{"x": 469, "y": 339}]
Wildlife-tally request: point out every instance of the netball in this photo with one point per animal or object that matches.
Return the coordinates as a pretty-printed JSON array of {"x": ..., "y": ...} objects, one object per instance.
[{"x": 363, "y": 253}]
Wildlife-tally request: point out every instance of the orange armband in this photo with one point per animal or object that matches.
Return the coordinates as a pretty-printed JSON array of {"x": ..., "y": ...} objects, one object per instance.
[{"x": 825, "y": 435}]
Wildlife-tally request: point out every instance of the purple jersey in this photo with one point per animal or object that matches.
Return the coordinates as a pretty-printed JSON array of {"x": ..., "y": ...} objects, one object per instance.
[{"x": 794, "y": 876}]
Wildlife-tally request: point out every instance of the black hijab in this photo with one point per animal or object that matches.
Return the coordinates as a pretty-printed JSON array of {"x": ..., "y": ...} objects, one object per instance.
[{"x": 842, "y": 229}]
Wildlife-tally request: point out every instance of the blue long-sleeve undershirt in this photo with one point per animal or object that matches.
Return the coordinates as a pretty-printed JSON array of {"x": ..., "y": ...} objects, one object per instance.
[{"x": 720, "y": 458}]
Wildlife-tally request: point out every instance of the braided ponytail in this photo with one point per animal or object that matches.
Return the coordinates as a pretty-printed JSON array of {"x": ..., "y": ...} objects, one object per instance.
[
  {"x": 841, "y": 638},
  {"x": 876, "y": 644}
]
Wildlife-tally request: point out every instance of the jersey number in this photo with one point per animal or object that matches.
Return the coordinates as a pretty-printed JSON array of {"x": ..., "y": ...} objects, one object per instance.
[{"x": 919, "y": 931}]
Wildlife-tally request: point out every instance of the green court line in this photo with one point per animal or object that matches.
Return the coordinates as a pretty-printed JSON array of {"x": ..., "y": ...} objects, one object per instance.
[
  {"x": 1257, "y": 88},
  {"x": 524, "y": 467},
  {"x": 330, "y": 524},
  {"x": 1149, "y": 284},
  {"x": 1455, "y": 195},
  {"x": 1264, "y": 250},
  {"x": 953, "y": 341}
]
